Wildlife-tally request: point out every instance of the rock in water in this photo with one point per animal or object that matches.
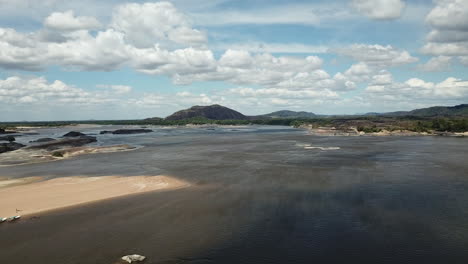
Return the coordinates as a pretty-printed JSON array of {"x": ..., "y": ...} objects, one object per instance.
[
  {"x": 74, "y": 134},
  {"x": 3, "y": 131},
  {"x": 126, "y": 131},
  {"x": 7, "y": 138},
  {"x": 65, "y": 142},
  {"x": 12, "y": 146},
  {"x": 133, "y": 258},
  {"x": 42, "y": 140}
]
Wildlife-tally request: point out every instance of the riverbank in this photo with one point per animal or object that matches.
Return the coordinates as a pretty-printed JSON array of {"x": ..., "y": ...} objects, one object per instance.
[{"x": 354, "y": 131}]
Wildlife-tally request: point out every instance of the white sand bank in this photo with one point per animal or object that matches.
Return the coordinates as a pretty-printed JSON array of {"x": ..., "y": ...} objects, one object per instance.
[{"x": 34, "y": 197}]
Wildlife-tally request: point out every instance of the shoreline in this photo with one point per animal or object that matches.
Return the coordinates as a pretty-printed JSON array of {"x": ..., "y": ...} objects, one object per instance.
[
  {"x": 353, "y": 132},
  {"x": 36, "y": 196}
]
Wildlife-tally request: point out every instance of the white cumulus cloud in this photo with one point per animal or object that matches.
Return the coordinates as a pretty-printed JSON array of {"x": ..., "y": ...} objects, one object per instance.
[
  {"x": 418, "y": 89},
  {"x": 67, "y": 21},
  {"x": 158, "y": 22},
  {"x": 436, "y": 64},
  {"x": 379, "y": 9},
  {"x": 449, "y": 29},
  {"x": 21, "y": 90},
  {"x": 377, "y": 55}
]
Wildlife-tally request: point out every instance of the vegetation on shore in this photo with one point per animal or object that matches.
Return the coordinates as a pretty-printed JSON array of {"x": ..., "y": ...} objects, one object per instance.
[
  {"x": 367, "y": 124},
  {"x": 375, "y": 124},
  {"x": 156, "y": 122},
  {"x": 432, "y": 119}
]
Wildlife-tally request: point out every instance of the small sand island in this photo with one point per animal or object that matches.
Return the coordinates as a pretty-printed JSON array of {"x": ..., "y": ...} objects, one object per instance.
[{"x": 30, "y": 196}]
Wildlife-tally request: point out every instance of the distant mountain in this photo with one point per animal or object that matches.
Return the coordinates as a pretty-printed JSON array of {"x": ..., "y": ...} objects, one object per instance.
[
  {"x": 214, "y": 112},
  {"x": 371, "y": 114},
  {"x": 218, "y": 112},
  {"x": 458, "y": 110},
  {"x": 154, "y": 119},
  {"x": 288, "y": 114}
]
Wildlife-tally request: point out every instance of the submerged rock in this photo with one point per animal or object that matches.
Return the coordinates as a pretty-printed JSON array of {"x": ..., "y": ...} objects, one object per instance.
[
  {"x": 126, "y": 131},
  {"x": 74, "y": 134},
  {"x": 133, "y": 258},
  {"x": 12, "y": 146},
  {"x": 30, "y": 133},
  {"x": 75, "y": 151},
  {"x": 42, "y": 140},
  {"x": 7, "y": 138},
  {"x": 66, "y": 142},
  {"x": 14, "y": 218}
]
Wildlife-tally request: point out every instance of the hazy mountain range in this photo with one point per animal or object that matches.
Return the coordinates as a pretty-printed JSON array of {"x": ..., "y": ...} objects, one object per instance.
[{"x": 218, "y": 112}]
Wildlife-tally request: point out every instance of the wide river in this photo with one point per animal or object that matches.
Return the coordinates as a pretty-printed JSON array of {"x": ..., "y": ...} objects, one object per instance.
[{"x": 258, "y": 195}]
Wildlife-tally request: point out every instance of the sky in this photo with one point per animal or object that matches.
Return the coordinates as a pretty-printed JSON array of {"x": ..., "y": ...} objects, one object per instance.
[{"x": 113, "y": 59}]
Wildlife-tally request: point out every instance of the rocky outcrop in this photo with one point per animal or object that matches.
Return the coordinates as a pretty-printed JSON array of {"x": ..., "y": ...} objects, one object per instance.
[
  {"x": 214, "y": 112},
  {"x": 126, "y": 131},
  {"x": 65, "y": 142},
  {"x": 74, "y": 134},
  {"x": 7, "y": 138},
  {"x": 42, "y": 140},
  {"x": 12, "y": 146},
  {"x": 133, "y": 258}
]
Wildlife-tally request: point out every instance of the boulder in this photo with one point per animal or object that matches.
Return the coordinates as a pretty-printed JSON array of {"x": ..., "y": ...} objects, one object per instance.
[
  {"x": 126, "y": 131},
  {"x": 65, "y": 142},
  {"x": 42, "y": 140},
  {"x": 7, "y": 138},
  {"x": 74, "y": 134},
  {"x": 12, "y": 146},
  {"x": 133, "y": 258}
]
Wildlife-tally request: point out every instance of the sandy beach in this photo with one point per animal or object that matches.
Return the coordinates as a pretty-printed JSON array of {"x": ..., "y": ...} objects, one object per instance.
[{"x": 32, "y": 195}]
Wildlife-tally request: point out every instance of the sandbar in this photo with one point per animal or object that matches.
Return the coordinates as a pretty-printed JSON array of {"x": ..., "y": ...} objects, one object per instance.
[{"x": 34, "y": 196}]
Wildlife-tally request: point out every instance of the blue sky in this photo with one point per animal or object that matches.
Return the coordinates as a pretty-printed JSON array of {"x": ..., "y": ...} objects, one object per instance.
[{"x": 112, "y": 59}]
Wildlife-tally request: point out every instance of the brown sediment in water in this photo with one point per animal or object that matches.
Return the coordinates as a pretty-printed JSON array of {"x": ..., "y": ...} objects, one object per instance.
[{"x": 34, "y": 197}]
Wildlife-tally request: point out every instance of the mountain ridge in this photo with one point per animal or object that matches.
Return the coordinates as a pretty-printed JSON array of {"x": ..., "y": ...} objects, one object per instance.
[
  {"x": 214, "y": 112},
  {"x": 219, "y": 112},
  {"x": 433, "y": 111}
]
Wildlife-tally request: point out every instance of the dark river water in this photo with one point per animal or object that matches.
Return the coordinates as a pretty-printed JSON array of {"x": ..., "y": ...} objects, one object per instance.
[{"x": 258, "y": 196}]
